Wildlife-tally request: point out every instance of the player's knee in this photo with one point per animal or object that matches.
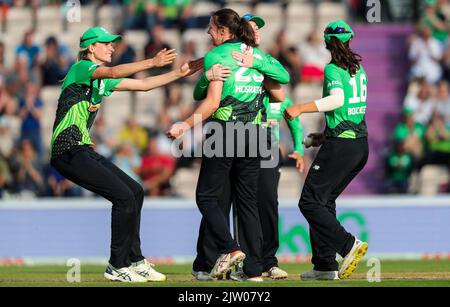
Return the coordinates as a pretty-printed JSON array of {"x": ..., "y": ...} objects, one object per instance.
[
  {"x": 125, "y": 197},
  {"x": 201, "y": 200},
  {"x": 201, "y": 197},
  {"x": 306, "y": 205},
  {"x": 204, "y": 201}
]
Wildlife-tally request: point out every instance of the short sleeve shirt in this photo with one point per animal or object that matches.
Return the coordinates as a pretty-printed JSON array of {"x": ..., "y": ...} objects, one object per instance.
[{"x": 78, "y": 104}]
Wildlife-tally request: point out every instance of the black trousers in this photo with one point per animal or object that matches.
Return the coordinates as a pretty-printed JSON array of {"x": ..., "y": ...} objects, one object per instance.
[
  {"x": 207, "y": 250},
  {"x": 85, "y": 167},
  {"x": 215, "y": 174},
  {"x": 336, "y": 164},
  {"x": 268, "y": 213}
]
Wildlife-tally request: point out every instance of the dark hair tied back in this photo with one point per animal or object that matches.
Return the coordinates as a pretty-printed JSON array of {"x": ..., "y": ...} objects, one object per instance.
[
  {"x": 238, "y": 27},
  {"x": 343, "y": 56}
]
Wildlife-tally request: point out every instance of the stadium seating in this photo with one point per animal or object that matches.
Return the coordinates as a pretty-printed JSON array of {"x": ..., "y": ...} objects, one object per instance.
[
  {"x": 148, "y": 107},
  {"x": 49, "y": 95},
  {"x": 19, "y": 20},
  {"x": 204, "y": 8},
  {"x": 327, "y": 11},
  {"x": 298, "y": 20},
  {"x": 116, "y": 109},
  {"x": 137, "y": 39},
  {"x": 431, "y": 178},
  {"x": 184, "y": 182},
  {"x": 241, "y": 8},
  {"x": 108, "y": 16},
  {"x": 199, "y": 37},
  {"x": 49, "y": 19}
]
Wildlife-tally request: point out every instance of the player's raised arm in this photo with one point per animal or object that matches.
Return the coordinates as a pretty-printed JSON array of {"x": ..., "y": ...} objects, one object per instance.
[
  {"x": 163, "y": 58},
  {"x": 266, "y": 64},
  {"x": 149, "y": 83},
  {"x": 205, "y": 110},
  {"x": 72, "y": 151}
]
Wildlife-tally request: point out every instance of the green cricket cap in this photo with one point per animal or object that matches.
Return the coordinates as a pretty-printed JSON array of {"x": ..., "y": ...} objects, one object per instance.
[
  {"x": 258, "y": 20},
  {"x": 408, "y": 111},
  {"x": 97, "y": 34},
  {"x": 339, "y": 29}
]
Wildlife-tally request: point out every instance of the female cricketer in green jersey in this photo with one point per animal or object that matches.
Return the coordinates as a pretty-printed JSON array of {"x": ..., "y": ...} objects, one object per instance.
[
  {"x": 268, "y": 177},
  {"x": 71, "y": 147},
  {"x": 236, "y": 100},
  {"x": 343, "y": 154}
]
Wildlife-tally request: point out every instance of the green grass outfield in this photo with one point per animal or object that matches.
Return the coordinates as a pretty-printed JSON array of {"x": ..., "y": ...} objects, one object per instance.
[{"x": 393, "y": 273}]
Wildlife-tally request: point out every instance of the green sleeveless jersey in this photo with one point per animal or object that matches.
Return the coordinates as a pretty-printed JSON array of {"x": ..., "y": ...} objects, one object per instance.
[
  {"x": 242, "y": 92},
  {"x": 78, "y": 105},
  {"x": 347, "y": 121}
]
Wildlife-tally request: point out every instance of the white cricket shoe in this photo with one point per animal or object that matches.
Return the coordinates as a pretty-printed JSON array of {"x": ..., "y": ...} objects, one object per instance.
[
  {"x": 275, "y": 273},
  {"x": 225, "y": 262},
  {"x": 319, "y": 275},
  {"x": 350, "y": 261},
  {"x": 122, "y": 274},
  {"x": 240, "y": 276},
  {"x": 146, "y": 270},
  {"x": 202, "y": 276}
]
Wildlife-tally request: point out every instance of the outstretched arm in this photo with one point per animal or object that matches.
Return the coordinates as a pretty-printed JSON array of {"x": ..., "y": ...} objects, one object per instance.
[
  {"x": 163, "y": 58},
  {"x": 149, "y": 83},
  {"x": 334, "y": 101},
  {"x": 295, "y": 126},
  {"x": 269, "y": 66},
  {"x": 204, "y": 110}
]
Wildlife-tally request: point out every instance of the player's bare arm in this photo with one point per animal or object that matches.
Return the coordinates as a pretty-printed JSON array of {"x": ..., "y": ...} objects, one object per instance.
[
  {"x": 163, "y": 58},
  {"x": 149, "y": 83}
]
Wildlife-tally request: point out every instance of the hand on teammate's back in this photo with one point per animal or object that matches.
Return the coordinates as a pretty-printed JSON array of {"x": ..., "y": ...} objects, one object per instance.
[
  {"x": 218, "y": 72},
  {"x": 244, "y": 59},
  {"x": 191, "y": 67},
  {"x": 164, "y": 57}
]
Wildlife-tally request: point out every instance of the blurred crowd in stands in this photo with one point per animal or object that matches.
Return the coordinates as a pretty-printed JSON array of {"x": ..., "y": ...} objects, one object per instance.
[
  {"x": 421, "y": 140},
  {"x": 143, "y": 152}
]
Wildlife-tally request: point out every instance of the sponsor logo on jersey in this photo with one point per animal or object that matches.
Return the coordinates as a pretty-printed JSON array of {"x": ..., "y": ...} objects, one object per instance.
[{"x": 331, "y": 83}]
